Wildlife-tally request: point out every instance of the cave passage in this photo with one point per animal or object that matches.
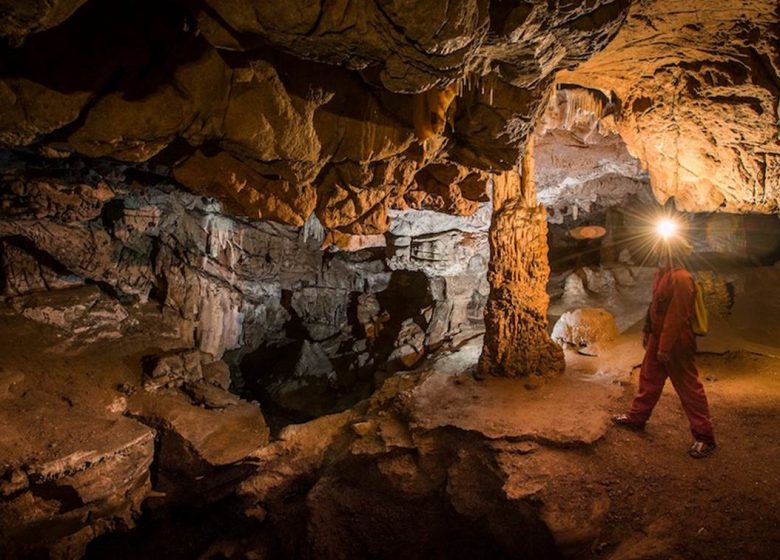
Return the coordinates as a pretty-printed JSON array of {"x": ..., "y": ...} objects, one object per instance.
[{"x": 296, "y": 280}]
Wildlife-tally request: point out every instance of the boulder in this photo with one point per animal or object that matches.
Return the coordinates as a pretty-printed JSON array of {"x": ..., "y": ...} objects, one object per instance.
[
  {"x": 207, "y": 432},
  {"x": 585, "y": 329},
  {"x": 409, "y": 345},
  {"x": 172, "y": 369},
  {"x": 600, "y": 281},
  {"x": 70, "y": 489}
]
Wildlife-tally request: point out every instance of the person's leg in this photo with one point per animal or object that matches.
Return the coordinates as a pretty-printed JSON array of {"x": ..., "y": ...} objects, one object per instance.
[
  {"x": 651, "y": 384},
  {"x": 685, "y": 379}
]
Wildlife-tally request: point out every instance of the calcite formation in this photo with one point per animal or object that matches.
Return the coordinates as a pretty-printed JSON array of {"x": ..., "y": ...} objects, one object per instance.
[
  {"x": 516, "y": 340},
  {"x": 585, "y": 329},
  {"x": 301, "y": 199},
  {"x": 582, "y": 164}
]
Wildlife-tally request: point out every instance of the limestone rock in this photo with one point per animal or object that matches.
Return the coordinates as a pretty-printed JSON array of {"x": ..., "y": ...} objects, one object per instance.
[
  {"x": 81, "y": 314},
  {"x": 582, "y": 164},
  {"x": 322, "y": 310},
  {"x": 704, "y": 125},
  {"x": 29, "y": 110},
  {"x": 402, "y": 36},
  {"x": 87, "y": 251},
  {"x": 210, "y": 396},
  {"x": 173, "y": 369},
  {"x": 68, "y": 495},
  {"x": 135, "y": 130},
  {"x": 265, "y": 121},
  {"x": 585, "y": 329},
  {"x": 196, "y": 440},
  {"x": 55, "y": 200},
  {"x": 417, "y": 223},
  {"x": 217, "y": 373},
  {"x": 23, "y": 18},
  {"x": 600, "y": 281},
  {"x": 448, "y": 188},
  {"x": 330, "y": 104},
  {"x": 574, "y": 287},
  {"x": 22, "y": 273},
  {"x": 516, "y": 340},
  {"x": 410, "y": 344},
  {"x": 244, "y": 191}
]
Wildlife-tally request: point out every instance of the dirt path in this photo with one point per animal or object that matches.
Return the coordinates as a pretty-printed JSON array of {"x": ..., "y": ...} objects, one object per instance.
[{"x": 665, "y": 505}]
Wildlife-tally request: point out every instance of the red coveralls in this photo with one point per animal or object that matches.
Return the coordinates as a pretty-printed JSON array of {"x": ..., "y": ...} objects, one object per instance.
[{"x": 670, "y": 332}]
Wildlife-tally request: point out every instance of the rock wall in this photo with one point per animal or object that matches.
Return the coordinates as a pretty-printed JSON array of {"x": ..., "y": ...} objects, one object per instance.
[
  {"x": 230, "y": 284},
  {"x": 324, "y": 119},
  {"x": 701, "y": 108}
]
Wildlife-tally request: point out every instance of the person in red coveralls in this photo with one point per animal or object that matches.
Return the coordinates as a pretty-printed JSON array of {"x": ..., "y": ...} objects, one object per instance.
[{"x": 670, "y": 347}]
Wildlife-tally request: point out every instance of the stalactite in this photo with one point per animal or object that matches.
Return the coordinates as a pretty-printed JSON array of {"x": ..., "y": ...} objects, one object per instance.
[{"x": 579, "y": 101}]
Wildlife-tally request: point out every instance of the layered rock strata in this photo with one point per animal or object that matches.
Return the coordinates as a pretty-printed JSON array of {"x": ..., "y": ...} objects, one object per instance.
[{"x": 227, "y": 284}]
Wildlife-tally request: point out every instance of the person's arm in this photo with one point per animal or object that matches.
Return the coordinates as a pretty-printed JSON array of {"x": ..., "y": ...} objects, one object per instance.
[{"x": 677, "y": 313}]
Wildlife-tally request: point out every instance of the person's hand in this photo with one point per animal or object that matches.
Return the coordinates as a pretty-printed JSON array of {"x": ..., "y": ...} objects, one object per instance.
[
  {"x": 663, "y": 357},
  {"x": 645, "y": 340}
]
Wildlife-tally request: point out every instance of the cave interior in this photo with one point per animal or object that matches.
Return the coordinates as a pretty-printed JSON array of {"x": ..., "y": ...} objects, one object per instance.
[{"x": 336, "y": 280}]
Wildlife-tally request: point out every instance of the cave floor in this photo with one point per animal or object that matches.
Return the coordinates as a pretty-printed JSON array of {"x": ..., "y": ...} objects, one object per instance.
[
  {"x": 665, "y": 505},
  {"x": 658, "y": 503},
  {"x": 604, "y": 492}
]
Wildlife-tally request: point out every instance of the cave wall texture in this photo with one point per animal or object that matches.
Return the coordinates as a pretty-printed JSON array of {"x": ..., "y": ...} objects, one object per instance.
[
  {"x": 696, "y": 86},
  {"x": 342, "y": 114},
  {"x": 320, "y": 193},
  {"x": 333, "y": 117},
  {"x": 329, "y": 117}
]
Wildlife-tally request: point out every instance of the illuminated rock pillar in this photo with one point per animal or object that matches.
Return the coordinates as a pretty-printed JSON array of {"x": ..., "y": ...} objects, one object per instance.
[{"x": 516, "y": 340}]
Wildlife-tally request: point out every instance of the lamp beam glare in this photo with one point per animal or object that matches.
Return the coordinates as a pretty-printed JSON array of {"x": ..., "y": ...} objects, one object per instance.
[{"x": 666, "y": 228}]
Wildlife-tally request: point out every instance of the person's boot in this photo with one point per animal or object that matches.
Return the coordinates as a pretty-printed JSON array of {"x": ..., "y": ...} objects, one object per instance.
[
  {"x": 701, "y": 449},
  {"x": 624, "y": 421}
]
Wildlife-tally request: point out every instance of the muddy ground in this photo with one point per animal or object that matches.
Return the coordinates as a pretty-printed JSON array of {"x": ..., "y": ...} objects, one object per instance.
[{"x": 665, "y": 505}]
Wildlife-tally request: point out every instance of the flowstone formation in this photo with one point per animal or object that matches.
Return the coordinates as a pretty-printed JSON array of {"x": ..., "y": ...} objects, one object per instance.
[{"x": 516, "y": 340}]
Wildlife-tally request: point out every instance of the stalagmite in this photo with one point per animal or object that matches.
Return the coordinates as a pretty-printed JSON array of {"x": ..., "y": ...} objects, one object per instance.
[{"x": 516, "y": 340}]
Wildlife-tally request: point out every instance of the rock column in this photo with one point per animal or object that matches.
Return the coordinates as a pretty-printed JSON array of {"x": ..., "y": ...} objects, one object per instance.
[{"x": 516, "y": 340}]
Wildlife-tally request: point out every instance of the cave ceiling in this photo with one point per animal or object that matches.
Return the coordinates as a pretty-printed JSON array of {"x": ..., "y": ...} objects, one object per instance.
[
  {"x": 697, "y": 85},
  {"x": 281, "y": 109},
  {"x": 350, "y": 109}
]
